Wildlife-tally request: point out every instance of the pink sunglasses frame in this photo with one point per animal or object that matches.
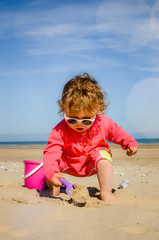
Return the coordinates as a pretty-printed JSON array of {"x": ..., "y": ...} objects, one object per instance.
[{"x": 80, "y": 120}]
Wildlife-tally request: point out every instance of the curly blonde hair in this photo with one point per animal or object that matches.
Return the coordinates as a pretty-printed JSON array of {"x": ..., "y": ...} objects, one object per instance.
[{"x": 82, "y": 93}]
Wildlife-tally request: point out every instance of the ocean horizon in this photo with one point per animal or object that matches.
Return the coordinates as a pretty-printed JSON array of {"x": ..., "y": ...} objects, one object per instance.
[{"x": 139, "y": 140}]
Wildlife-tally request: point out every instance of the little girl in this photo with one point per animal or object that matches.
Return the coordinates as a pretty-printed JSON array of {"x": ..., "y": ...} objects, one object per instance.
[{"x": 77, "y": 145}]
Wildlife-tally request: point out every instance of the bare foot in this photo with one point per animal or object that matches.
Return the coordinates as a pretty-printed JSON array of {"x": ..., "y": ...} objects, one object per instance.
[{"x": 108, "y": 196}]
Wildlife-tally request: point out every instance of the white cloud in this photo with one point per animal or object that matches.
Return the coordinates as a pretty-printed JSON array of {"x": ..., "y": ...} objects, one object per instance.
[
  {"x": 53, "y": 31},
  {"x": 57, "y": 29},
  {"x": 124, "y": 25},
  {"x": 150, "y": 69},
  {"x": 25, "y": 72}
]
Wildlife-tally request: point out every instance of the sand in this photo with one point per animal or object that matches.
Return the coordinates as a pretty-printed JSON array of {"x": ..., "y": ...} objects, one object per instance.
[
  {"x": 80, "y": 195},
  {"x": 29, "y": 214}
]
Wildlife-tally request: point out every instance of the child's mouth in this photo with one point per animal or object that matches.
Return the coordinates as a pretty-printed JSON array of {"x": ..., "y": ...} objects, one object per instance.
[{"x": 79, "y": 129}]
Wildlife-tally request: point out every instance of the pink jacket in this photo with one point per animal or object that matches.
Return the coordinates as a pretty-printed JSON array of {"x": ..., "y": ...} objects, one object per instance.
[{"x": 75, "y": 146}]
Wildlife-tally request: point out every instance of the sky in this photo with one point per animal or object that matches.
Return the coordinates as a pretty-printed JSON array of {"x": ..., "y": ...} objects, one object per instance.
[{"x": 45, "y": 43}]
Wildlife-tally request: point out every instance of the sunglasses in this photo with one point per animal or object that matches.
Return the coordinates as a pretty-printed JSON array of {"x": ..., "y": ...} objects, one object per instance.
[{"x": 73, "y": 121}]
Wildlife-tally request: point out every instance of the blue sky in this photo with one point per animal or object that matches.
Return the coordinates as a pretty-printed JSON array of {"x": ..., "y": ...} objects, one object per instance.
[{"x": 43, "y": 44}]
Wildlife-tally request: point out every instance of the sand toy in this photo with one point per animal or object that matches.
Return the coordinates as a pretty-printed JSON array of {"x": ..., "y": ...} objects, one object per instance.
[{"x": 78, "y": 193}]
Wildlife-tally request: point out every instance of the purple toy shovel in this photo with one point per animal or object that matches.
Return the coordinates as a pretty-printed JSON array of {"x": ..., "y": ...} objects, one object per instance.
[{"x": 70, "y": 187}]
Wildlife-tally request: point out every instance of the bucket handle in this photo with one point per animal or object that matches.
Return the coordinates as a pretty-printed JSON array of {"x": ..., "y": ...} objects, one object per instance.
[{"x": 33, "y": 171}]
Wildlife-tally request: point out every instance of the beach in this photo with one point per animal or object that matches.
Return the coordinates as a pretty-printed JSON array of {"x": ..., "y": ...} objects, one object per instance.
[{"x": 30, "y": 214}]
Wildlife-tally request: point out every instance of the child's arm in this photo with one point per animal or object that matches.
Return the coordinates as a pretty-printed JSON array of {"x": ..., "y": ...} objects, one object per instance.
[
  {"x": 119, "y": 136},
  {"x": 52, "y": 154}
]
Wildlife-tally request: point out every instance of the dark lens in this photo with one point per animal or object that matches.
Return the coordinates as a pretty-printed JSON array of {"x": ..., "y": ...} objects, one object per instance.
[
  {"x": 87, "y": 122},
  {"x": 71, "y": 121}
]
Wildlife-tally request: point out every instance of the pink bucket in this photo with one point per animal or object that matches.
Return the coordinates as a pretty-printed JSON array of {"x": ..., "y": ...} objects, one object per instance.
[{"x": 34, "y": 175}]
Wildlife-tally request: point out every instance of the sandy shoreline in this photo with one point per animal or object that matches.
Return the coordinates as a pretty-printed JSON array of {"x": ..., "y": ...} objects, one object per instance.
[{"x": 27, "y": 214}]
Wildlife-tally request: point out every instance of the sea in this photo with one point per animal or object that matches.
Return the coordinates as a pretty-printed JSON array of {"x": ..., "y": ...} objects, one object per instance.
[{"x": 43, "y": 143}]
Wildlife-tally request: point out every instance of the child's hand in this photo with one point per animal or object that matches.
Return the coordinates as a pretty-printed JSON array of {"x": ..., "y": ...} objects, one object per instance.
[
  {"x": 131, "y": 150},
  {"x": 55, "y": 180}
]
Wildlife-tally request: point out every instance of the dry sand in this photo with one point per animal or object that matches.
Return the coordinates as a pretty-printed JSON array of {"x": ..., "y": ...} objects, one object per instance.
[{"x": 28, "y": 214}]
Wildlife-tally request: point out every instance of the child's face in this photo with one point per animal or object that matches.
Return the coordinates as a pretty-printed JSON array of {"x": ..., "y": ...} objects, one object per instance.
[{"x": 79, "y": 126}]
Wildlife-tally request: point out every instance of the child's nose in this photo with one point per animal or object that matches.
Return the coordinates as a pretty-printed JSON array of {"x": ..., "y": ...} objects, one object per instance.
[{"x": 79, "y": 124}]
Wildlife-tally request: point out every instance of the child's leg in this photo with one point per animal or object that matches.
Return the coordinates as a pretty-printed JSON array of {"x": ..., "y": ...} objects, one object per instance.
[{"x": 105, "y": 178}]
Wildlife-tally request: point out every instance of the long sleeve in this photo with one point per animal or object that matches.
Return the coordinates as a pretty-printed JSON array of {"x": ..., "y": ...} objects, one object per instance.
[
  {"x": 65, "y": 144},
  {"x": 119, "y": 136},
  {"x": 52, "y": 153}
]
